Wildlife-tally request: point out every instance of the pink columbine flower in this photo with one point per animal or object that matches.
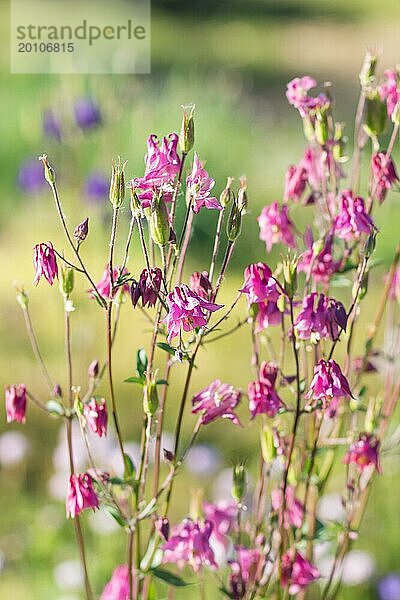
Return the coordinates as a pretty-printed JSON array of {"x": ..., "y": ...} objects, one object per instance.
[
  {"x": 259, "y": 284},
  {"x": 187, "y": 310},
  {"x": 268, "y": 314},
  {"x": 200, "y": 284},
  {"x": 16, "y": 403},
  {"x": 80, "y": 495},
  {"x": 118, "y": 586},
  {"x": 218, "y": 400},
  {"x": 384, "y": 173},
  {"x": 45, "y": 263},
  {"x": 162, "y": 164},
  {"x": 295, "y": 182},
  {"x": 364, "y": 452},
  {"x": 243, "y": 571},
  {"x": 189, "y": 544},
  {"x": 297, "y": 95},
  {"x": 95, "y": 413},
  {"x": 276, "y": 226},
  {"x": 147, "y": 288},
  {"x": 352, "y": 220},
  {"x": 223, "y": 516},
  {"x": 263, "y": 399},
  {"x": 328, "y": 386},
  {"x": 199, "y": 186},
  {"x": 327, "y": 319},
  {"x": 294, "y": 512},
  {"x": 104, "y": 285},
  {"x": 320, "y": 263},
  {"x": 390, "y": 91},
  {"x": 297, "y": 572}
]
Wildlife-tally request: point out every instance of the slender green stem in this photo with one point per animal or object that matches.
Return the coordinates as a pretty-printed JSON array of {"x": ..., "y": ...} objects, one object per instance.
[{"x": 36, "y": 349}]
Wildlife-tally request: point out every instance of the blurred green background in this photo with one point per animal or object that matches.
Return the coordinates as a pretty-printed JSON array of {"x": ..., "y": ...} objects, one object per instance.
[{"x": 232, "y": 59}]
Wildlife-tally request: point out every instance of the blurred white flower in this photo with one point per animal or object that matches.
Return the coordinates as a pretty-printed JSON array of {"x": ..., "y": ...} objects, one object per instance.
[
  {"x": 330, "y": 508},
  {"x": 358, "y": 566},
  {"x": 68, "y": 574},
  {"x": 102, "y": 523},
  {"x": 13, "y": 448},
  {"x": 203, "y": 460}
]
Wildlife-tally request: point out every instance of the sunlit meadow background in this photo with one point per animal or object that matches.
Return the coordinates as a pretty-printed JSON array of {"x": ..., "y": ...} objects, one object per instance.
[{"x": 233, "y": 60}]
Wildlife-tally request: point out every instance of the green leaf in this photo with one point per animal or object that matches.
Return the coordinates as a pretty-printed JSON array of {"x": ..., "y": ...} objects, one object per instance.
[
  {"x": 168, "y": 577},
  {"x": 166, "y": 348},
  {"x": 302, "y": 385},
  {"x": 55, "y": 407},
  {"x": 115, "y": 514},
  {"x": 138, "y": 380},
  {"x": 129, "y": 466},
  {"x": 141, "y": 362},
  {"x": 116, "y": 481},
  {"x": 162, "y": 382},
  {"x": 225, "y": 592}
]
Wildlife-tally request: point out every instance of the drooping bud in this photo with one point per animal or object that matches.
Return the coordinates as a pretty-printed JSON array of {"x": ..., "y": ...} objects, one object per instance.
[
  {"x": 49, "y": 173},
  {"x": 186, "y": 137},
  {"x": 234, "y": 224},
  {"x": 226, "y": 194},
  {"x": 159, "y": 221},
  {"x": 242, "y": 199},
  {"x": 117, "y": 185},
  {"x": 239, "y": 482},
  {"x": 81, "y": 230},
  {"x": 367, "y": 73},
  {"x": 67, "y": 280},
  {"x": 93, "y": 369}
]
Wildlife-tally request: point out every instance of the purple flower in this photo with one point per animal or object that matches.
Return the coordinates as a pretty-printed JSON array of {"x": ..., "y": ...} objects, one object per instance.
[
  {"x": 187, "y": 310},
  {"x": 87, "y": 113},
  {"x": 268, "y": 314},
  {"x": 295, "y": 182},
  {"x": 97, "y": 187},
  {"x": 96, "y": 416},
  {"x": 45, "y": 263},
  {"x": 51, "y": 125},
  {"x": 389, "y": 587},
  {"x": 364, "y": 452},
  {"x": 104, "y": 285},
  {"x": 297, "y": 95},
  {"x": 189, "y": 544},
  {"x": 30, "y": 177},
  {"x": 328, "y": 386},
  {"x": 16, "y": 403},
  {"x": 294, "y": 511},
  {"x": 217, "y": 400},
  {"x": 147, "y": 288},
  {"x": 223, "y": 516},
  {"x": 162, "y": 164},
  {"x": 200, "y": 284},
  {"x": 118, "y": 586},
  {"x": 324, "y": 320},
  {"x": 384, "y": 173},
  {"x": 275, "y": 226},
  {"x": 390, "y": 91},
  {"x": 243, "y": 571},
  {"x": 297, "y": 572},
  {"x": 319, "y": 264},
  {"x": 80, "y": 495},
  {"x": 259, "y": 284},
  {"x": 353, "y": 219},
  {"x": 199, "y": 186},
  {"x": 263, "y": 399}
]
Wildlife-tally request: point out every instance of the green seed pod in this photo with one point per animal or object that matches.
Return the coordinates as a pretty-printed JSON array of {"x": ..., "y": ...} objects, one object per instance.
[
  {"x": 308, "y": 129},
  {"x": 150, "y": 398},
  {"x": 290, "y": 275},
  {"x": 226, "y": 194},
  {"x": 234, "y": 224},
  {"x": 49, "y": 173},
  {"x": 136, "y": 206},
  {"x": 117, "y": 184},
  {"x": 159, "y": 222},
  {"x": 67, "y": 280},
  {"x": 376, "y": 116},
  {"x": 22, "y": 298},
  {"x": 367, "y": 73},
  {"x": 321, "y": 129},
  {"x": 239, "y": 482},
  {"x": 186, "y": 137},
  {"x": 242, "y": 199}
]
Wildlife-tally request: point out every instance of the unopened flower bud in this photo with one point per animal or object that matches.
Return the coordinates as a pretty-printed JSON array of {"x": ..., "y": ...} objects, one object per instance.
[
  {"x": 162, "y": 526},
  {"x": 93, "y": 369},
  {"x": 81, "y": 230},
  {"x": 368, "y": 68},
  {"x": 57, "y": 391},
  {"x": 22, "y": 298},
  {"x": 226, "y": 194},
  {"x": 186, "y": 137},
  {"x": 168, "y": 455},
  {"x": 159, "y": 222},
  {"x": 242, "y": 199},
  {"x": 117, "y": 185},
  {"x": 49, "y": 173},
  {"x": 376, "y": 117},
  {"x": 239, "y": 483},
  {"x": 150, "y": 398},
  {"x": 67, "y": 280},
  {"x": 234, "y": 224},
  {"x": 363, "y": 287}
]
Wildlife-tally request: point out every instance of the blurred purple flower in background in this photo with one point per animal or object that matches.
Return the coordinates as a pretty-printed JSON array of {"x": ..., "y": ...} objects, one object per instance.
[
  {"x": 87, "y": 113},
  {"x": 97, "y": 187},
  {"x": 30, "y": 177},
  {"x": 51, "y": 124},
  {"x": 389, "y": 587}
]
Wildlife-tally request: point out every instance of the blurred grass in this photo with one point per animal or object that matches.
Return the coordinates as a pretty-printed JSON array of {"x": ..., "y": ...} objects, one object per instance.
[{"x": 233, "y": 60}]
